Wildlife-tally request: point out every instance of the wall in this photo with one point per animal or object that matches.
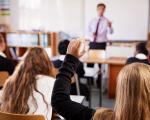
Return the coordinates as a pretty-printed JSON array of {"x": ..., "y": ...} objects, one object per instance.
[
  {"x": 52, "y": 15},
  {"x": 149, "y": 16},
  {"x": 4, "y": 19},
  {"x": 72, "y": 16}
]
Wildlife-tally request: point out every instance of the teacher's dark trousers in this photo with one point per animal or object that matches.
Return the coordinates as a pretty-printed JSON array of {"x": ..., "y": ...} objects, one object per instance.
[{"x": 100, "y": 46}]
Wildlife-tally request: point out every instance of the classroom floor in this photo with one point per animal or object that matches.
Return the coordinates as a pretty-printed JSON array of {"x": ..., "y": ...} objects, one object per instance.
[{"x": 106, "y": 102}]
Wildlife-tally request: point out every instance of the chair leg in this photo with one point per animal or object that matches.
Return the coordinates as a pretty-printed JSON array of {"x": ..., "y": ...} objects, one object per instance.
[
  {"x": 100, "y": 94},
  {"x": 90, "y": 90},
  {"x": 77, "y": 85}
]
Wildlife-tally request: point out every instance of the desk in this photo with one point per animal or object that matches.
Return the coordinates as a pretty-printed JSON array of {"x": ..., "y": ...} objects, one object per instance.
[{"x": 115, "y": 65}]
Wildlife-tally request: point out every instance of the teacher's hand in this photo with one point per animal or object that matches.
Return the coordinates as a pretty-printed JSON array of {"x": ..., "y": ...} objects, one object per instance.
[
  {"x": 109, "y": 24},
  {"x": 74, "y": 49}
]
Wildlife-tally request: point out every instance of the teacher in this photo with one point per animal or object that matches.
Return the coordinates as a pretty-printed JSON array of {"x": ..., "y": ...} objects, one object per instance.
[{"x": 98, "y": 29}]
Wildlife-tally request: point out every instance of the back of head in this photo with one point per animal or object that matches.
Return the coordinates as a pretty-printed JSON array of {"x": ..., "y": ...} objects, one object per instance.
[
  {"x": 21, "y": 84},
  {"x": 62, "y": 47},
  {"x": 103, "y": 114},
  {"x": 141, "y": 48},
  {"x": 133, "y": 93},
  {"x": 38, "y": 62}
]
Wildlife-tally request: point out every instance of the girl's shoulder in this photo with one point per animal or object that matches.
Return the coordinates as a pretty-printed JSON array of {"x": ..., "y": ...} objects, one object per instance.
[{"x": 45, "y": 79}]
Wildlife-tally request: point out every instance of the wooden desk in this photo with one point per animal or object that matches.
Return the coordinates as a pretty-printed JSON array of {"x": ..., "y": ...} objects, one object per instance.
[
  {"x": 94, "y": 56},
  {"x": 115, "y": 65}
]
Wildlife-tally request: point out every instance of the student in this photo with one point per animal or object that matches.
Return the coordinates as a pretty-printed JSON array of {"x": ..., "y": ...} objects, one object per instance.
[
  {"x": 29, "y": 89},
  {"x": 141, "y": 54},
  {"x": 103, "y": 114},
  {"x": 5, "y": 64},
  {"x": 132, "y": 97}
]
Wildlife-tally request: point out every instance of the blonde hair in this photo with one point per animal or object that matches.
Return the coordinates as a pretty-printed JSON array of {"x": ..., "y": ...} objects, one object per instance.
[
  {"x": 103, "y": 114},
  {"x": 132, "y": 95}
]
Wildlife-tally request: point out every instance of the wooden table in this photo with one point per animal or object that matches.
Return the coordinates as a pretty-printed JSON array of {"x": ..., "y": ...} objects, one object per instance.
[{"x": 115, "y": 65}]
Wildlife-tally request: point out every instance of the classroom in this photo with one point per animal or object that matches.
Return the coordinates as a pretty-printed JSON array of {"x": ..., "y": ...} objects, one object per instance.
[{"x": 74, "y": 59}]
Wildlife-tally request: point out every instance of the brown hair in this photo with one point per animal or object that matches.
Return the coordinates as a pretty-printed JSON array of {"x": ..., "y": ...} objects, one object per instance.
[
  {"x": 148, "y": 46},
  {"x": 21, "y": 84},
  {"x": 1, "y": 39},
  {"x": 132, "y": 95},
  {"x": 101, "y": 5}
]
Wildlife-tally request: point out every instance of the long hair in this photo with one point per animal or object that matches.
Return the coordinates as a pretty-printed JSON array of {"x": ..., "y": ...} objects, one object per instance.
[
  {"x": 20, "y": 86},
  {"x": 103, "y": 114},
  {"x": 133, "y": 93}
]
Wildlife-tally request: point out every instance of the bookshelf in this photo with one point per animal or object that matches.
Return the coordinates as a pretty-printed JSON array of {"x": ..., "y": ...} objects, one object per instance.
[{"x": 18, "y": 42}]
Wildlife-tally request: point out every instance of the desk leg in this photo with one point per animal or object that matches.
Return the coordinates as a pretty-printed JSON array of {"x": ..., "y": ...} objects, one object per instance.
[
  {"x": 100, "y": 77},
  {"x": 90, "y": 89}
]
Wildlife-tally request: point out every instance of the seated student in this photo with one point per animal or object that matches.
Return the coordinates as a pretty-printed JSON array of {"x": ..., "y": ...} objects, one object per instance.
[
  {"x": 141, "y": 54},
  {"x": 132, "y": 96},
  {"x": 5, "y": 64},
  {"x": 29, "y": 89},
  {"x": 62, "y": 48}
]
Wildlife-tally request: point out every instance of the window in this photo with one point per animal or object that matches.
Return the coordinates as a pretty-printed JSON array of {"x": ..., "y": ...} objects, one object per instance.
[{"x": 29, "y": 14}]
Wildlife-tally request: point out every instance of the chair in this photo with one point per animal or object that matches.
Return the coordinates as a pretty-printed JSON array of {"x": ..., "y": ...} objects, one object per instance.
[
  {"x": 9, "y": 116},
  {"x": 90, "y": 73},
  {"x": 3, "y": 77}
]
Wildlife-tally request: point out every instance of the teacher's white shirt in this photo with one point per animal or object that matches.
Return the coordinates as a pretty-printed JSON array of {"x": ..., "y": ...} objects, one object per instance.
[{"x": 103, "y": 29}]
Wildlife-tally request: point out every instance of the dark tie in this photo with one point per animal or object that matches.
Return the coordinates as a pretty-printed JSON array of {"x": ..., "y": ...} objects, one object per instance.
[{"x": 96, "y": 32}]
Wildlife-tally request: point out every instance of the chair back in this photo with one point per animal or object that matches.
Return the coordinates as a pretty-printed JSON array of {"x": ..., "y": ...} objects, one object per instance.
[
  {"x": 3, "y": 77},
  {"x": 9, "y": 116}
]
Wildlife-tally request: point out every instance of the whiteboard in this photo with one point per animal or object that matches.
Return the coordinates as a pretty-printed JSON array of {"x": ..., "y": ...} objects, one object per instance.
[
  {"x": 129, "y": 17},
  {"x": 48, "y": 15}
]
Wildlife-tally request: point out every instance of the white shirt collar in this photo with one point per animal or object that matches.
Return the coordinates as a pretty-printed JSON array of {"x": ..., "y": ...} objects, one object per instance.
[
  {"x": 61, "y": 57},
  {"x": 2, "y": 54},
  {"x": 141, "y": 56},
  {"x": 100, "y": 17}
]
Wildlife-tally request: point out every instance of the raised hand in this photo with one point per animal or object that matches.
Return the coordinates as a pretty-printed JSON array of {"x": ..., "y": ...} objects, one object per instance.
[{"x": 74, "y": 48}]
